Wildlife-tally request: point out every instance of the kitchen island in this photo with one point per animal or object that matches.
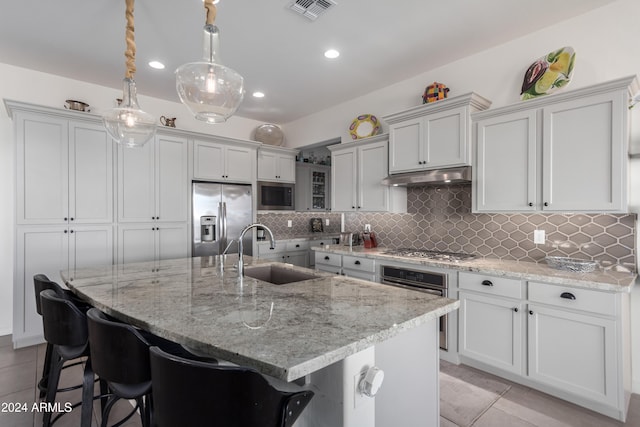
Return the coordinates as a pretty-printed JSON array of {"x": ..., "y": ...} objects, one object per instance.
[{"x": 324, "y": 332}]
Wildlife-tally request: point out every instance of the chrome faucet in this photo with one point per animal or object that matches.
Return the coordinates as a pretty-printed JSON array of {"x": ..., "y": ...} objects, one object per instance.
[{"x": 240, "y": 246}]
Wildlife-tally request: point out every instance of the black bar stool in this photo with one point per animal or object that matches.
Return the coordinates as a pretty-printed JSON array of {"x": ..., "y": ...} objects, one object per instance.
[
  {"x": 40, "y": 283},
  {"x": 189, "y": 393},
  {"x": 120, "y": 356},
  {"x": 65, "y": 328}
]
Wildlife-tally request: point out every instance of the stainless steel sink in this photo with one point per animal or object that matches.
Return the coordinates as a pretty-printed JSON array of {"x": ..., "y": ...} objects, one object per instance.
[{"x": 277, "y": 275}]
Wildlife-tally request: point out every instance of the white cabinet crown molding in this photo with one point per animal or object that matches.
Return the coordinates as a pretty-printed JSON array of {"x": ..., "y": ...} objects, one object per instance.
[
  {"x": 630, "y": 83},
  {"x": 359, "y": 142},
  {"x": 472, "y": 99}
]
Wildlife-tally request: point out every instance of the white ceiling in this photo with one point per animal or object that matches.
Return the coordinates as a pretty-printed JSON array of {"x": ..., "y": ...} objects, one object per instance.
[{"x": 277, "y": 51}]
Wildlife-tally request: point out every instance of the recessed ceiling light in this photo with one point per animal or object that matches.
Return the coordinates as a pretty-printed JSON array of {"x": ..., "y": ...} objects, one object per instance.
[
  {"x": 331, "y": 54},
  {"x": 258, "y": 94},
  {"x": 157, "y": 65}
]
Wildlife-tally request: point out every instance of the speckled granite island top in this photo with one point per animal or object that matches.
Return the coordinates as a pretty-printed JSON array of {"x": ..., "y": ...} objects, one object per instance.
[
  {"x": 286, "y": 331},
  {"x": 605, "y": 280}
]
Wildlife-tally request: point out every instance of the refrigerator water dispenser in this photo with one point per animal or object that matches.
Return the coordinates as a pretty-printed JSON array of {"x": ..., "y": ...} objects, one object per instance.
[{"x": 207, "y": 228}]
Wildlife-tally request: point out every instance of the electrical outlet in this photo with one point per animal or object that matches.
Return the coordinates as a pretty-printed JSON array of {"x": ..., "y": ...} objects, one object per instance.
[
  {"x": 538, "y": 237},
  {"x": 289, "y": 223},
  {"x": 367, "y": 228},
  {"x": 326, "y": 221}
]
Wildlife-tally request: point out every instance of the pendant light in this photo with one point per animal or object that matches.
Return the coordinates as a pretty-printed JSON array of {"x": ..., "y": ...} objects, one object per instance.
[
  {"x": 211, "y": 91},
  {"x": 127, "y": 123}
]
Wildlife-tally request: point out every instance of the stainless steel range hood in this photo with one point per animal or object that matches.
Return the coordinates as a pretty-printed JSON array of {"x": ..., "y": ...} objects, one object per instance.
[{"x": 461, "y": 175}]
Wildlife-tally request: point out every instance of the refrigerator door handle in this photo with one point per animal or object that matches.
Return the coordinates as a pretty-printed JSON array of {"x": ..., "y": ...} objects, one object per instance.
[
  {"x": 224, "y": 221},
  {"x": 219, "y": 225}
]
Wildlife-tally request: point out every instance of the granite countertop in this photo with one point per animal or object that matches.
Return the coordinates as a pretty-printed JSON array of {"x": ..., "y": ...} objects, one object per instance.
[
  {"x": 601, "y": 279},
  {"x": 286, "y": 331}
]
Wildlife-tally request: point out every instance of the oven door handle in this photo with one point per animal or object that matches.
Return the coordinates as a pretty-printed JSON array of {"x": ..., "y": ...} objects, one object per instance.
[{"x": 433, "y": 291}]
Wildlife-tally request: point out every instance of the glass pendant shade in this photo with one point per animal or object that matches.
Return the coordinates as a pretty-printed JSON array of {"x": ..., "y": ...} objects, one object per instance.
[
  {"x": 128, "y": 124},
  {"x": 211, "y": 91}
]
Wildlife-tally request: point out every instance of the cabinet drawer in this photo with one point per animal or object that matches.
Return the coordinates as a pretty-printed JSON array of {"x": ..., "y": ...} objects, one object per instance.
[
  {"x": 328, "y": 259},
  {"x": 575, "y": 298},
  {"x": 360, "y": 275},
  {"x": 511, "y": 288},
  {"x": 358, "y": 263},
  {"x": 264, "y": 248},
  {"x": 298, "y": 245}
]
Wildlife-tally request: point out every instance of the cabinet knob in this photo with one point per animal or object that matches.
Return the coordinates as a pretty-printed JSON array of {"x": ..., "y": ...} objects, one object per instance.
[
  {"x": 65, "y": 231},
  {"x": 357, "y": 262},
  {"x": 321, "y": 243},
  {"x": 71, "y": 219},
  {"x": 297, "y": 246},
  {"x": 568, "y": 295},
  {"x": 66, "y": 219},
  {"x": 487, "y": 283},
  {"x": 326, "y": 257},
  {"x": 153, "y": 217},
  {"x": 531, "y": 312},
  {"x": 515, "y": 309},
  {"x": 530, "y": 204},
  {"x": 359, "y": 207},
  {"x": 71, "y": 231},
  {"x": 353, "y": 207},
  {"x": 546, "y": 204}
]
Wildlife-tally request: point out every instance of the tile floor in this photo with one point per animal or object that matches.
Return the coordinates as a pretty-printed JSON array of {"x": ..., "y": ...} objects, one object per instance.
[{"x": 519, "y": 406}]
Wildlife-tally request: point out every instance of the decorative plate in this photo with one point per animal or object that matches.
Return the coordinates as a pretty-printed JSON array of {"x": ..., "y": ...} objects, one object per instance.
[
  {"x": 549, "y": 73},
  {"x": 269, "y": 134},
  {"x": 364, "y": 126}
]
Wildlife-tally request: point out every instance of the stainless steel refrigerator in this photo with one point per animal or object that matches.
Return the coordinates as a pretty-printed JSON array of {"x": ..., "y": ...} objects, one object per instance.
[{"x": 220, "y": 212}]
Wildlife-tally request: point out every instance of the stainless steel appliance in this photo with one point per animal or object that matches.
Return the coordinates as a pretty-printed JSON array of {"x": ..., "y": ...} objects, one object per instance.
[
  {"x": 424, "y": 281},
  {"x": 220, "y": 212},
  {"x": 274, "y": 196}
]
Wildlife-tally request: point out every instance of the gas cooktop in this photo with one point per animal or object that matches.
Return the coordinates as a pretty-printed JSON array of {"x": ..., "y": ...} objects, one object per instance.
[{"x": 427, "y": 254}]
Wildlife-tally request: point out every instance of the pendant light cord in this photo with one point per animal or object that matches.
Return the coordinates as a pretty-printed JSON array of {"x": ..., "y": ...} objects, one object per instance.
[
  {"x": 130, "y": 53},
  {"x": 211, "y": 11}
]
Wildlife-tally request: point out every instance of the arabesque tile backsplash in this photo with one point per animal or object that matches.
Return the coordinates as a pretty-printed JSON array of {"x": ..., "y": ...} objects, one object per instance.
[{"x": 440, "y": 218}]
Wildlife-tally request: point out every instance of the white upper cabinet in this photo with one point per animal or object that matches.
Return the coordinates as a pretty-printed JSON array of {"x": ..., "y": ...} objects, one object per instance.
[
  {"x": 276, "y": 164},
  {"x": 153, "y": 181},
  {"x": 221, "y": 161},
  {"x": 64, "y": 171},
  {"x": 562, "y": 153},
  {"x": 434, "y": 135},
  {"x": 357, "y": 171}
]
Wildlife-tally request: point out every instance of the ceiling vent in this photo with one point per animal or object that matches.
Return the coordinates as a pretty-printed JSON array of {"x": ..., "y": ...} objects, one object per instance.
[{"x": 311, "y": 9}]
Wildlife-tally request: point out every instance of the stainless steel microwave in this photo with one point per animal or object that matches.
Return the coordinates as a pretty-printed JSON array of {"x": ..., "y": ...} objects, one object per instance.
[{"x": 276, "y": 196}]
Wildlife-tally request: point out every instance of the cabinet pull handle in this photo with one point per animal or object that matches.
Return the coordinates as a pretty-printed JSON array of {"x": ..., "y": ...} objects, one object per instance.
[
  {"x": 567, "y": 295},
  {"x": 321, "y": 243},
  {"x": 327, "y": 258},
  {"x": 297, "y": 246},
  {"x": 531, "y": 312},
  {"x": 516, "y": 309},
  {"x": 487, "y": 283},
  {"x": 357, "y": 262}
]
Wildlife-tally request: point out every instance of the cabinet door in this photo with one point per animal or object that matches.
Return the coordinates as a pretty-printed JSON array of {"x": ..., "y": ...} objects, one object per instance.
[
  {"x": 90, "y": 174},
  {"x": 343, "y": 175},
  {"x": 287, "y": 168},
  {"x": 506, "y": 168},
  {"x": 90, "y": 246},
  {"x": 584, "y": 154},
  {"x": 240, "y": 164},
  {"x": 171, "y": 177},
  {"x": 136, "y": 242},
  {"x": 172, "y": 241},
  {"x": 267, "y": 165},
  {"x": 208, "y": 160},
  {"x": 42, "y": 172},
  {"x": 446, "y": 139},
  {"x": 573, "y": 352},
  {"x": 39, "y": 249},
  {"x": 405, "y": 146},
  {"x": 490, "y": 330},
  {"x": 303, "y": 188},
  {"x": 372, "y": 169},
  {"x": 300, "y": 259},
  {"x": 136, "y": 183},
  {"x": 320, "y": 189}
]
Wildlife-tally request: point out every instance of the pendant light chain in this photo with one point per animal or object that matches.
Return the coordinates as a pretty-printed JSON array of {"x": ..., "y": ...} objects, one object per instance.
[
  {"x": 130, "y": 53},
  {"x": 211, "y": 11}
]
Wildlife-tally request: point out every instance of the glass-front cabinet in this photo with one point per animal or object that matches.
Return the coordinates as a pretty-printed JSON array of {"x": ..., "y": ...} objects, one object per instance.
[{"x": 312, "y": 187}]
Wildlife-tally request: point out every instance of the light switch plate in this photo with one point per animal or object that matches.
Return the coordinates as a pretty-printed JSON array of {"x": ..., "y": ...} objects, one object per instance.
[
  {"x": 326, "y": 221},
  {"x": 289, "y": 223},
  {"x": 538, "y": 237}
]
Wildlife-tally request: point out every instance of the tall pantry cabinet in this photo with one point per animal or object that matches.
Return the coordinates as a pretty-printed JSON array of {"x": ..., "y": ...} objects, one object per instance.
[{"x": 64, "y": 202}]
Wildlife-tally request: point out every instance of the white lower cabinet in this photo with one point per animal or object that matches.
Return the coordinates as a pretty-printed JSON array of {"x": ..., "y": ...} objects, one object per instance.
[
  {"x": 152, "y": 242},
  {"x": 359, "y": 267},
  {"x": 294, "y": 252},
  {"x": 48, "y": 250},
  {"x": 570, "y": 342},
  {"x": 490, "y": 330},
  {"x": 329, "y": 262}
]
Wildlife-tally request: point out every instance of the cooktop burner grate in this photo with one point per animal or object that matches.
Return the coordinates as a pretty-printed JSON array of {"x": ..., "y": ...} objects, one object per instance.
[{"x": 436, "y": 255}]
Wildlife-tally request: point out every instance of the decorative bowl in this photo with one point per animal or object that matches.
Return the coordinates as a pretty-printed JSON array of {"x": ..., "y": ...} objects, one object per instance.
[{"x": 571, "y": 264}]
